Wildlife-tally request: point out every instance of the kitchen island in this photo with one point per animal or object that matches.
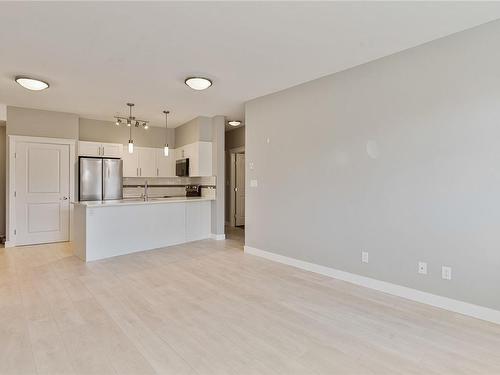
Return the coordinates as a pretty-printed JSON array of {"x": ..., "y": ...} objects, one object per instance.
[{"x": 105, "y": 229}]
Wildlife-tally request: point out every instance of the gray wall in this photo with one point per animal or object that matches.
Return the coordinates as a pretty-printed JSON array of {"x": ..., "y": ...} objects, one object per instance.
[
  {"x": 198, "y": 129},
  {"x": 218, "y": 168},
  {"x": 235, "y": 138},
  {"x": 107, "y": 131},
  {"x": 399, "y": 157},
  {"x": 39, "y": 123},
  {"x": 3, "y": 155}
]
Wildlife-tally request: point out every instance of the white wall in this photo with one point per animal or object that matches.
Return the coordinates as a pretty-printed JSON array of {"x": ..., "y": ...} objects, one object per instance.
[{"x": 399, "y": 157}]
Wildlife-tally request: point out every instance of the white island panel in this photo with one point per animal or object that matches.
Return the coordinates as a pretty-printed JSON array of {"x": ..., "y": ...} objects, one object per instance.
[{"x": 109, "y": 230}]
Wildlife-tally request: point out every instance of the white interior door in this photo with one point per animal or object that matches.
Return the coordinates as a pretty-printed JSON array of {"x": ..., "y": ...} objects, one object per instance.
[
  {"x": 240, "y": 190},
  {"x": 42, "y": 187}
]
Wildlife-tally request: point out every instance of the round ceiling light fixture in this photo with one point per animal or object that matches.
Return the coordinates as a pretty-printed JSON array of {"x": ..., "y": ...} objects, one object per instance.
[
  {"x": 234, "y": 123},
  {"x": 198, "y": 83},
  {"x": 31, "y": 83}
]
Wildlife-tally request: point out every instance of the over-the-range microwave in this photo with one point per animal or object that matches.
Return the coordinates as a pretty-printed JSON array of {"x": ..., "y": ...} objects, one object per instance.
[{"x": 182, "y": 167}]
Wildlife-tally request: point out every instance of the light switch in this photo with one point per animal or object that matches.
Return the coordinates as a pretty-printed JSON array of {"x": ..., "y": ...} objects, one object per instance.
[{"x": 253, "y": 183}]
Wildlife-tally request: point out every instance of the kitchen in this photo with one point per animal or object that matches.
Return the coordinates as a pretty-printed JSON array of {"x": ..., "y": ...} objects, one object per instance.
[{"x": 161, "y": 199}]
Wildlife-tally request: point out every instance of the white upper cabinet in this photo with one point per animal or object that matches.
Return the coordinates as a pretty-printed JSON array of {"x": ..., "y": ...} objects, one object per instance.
[
  {"x": 98, "y": 149},
  {"x": 147, "y": 161},
  {"x": 151, "y": 162},
  {"x": 165, "y": 165},
  {"x": 130, "y": 164},
  {"x": 89, "y": 148},
  {"x": 112, "y": 150},
  {"x": 200, "y": 158}
]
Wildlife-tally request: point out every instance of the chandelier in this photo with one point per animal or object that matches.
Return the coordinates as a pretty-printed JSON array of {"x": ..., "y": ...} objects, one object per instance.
[{"x": 131, "y": 119}]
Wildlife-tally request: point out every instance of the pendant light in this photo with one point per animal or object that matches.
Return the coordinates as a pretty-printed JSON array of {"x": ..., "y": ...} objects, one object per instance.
[
  {"x": 165, "y": 149},
  {"x": 130, "y": 141}
]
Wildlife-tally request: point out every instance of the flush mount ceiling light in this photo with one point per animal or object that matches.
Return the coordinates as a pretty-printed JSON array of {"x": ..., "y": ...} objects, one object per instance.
[
  {"x": 31, "y": 83},
  {"x": 198, "y": 83},
  {"x": 234, "y": 123}
]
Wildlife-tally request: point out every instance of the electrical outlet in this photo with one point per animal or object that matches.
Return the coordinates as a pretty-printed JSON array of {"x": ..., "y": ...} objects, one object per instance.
[
  {"x": 446, "y": 273},
  {"x": 422, "y": 268},
  {"x": 364, "y": 257},
  {"x": 254, "y": 183}
]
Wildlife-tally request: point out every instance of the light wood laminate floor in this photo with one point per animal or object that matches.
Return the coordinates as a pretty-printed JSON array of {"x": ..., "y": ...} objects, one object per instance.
[{"x": 207, "y": 308}]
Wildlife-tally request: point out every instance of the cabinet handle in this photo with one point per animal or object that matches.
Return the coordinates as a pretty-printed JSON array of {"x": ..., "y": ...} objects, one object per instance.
[
  {"x": 140, "y": 171},
  {"x": 137, "y": 172},
  {"x": 157, "y": 171}
]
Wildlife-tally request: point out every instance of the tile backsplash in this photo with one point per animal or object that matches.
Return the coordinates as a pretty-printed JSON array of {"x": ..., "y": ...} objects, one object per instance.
[
  {"x": 173, "y": 181},
  {"x": 163, "y": 186}
]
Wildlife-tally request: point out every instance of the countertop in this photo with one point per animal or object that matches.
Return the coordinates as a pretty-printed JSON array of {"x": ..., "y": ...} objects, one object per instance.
[{"x": 138, "y": 201}]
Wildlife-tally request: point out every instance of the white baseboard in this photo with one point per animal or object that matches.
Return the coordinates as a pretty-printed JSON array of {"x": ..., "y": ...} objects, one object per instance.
[
  {"x": 446, "y": 303},
  {"x": 9, "y": 244},
  {"x": 218, "y": 237}
]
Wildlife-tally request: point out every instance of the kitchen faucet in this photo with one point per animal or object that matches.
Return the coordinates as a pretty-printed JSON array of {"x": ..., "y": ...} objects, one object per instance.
[{"x": 145, "y": 194}]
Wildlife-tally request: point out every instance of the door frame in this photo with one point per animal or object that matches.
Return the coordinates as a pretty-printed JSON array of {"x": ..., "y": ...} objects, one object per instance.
[
  {"x": 232, "y": 182},
  {"x": 11, "y": 181}
]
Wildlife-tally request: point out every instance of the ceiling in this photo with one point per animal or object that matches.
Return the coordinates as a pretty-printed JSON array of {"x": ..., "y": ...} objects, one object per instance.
[{"x": 98, "y": 56}]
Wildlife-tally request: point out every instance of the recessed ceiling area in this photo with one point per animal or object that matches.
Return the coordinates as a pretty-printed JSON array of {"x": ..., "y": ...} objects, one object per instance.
[{"x": 98, "y": 56}]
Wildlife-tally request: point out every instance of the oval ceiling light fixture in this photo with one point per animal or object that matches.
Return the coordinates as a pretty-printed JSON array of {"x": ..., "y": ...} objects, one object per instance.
[
  {"x": 31, "y": 83},
  {"x": 198, "y": 83},
  {"x": 234, "y": 123}
]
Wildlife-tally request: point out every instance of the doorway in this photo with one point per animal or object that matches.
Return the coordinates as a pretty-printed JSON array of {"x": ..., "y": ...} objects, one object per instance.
[
  {"x": 41, "y": 186},
  {"x": 237, "y": 187},
  {"x": 239, "y": 190}
]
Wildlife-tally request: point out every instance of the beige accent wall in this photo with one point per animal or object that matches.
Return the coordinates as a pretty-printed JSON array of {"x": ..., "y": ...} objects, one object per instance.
[
  {"x": 40, "y": 123},
  {"x": 198, "y": 129},
  {"x": 108, "y": 131}
]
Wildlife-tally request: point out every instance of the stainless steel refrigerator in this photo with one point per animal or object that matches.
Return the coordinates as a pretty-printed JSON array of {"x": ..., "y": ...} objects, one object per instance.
[{"x": 100, "y": 179}]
